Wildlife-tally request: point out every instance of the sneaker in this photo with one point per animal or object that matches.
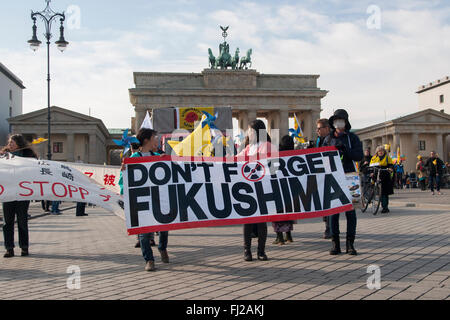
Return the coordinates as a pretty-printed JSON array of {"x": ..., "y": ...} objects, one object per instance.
[
  {"x": 150, "y": 266},
  {"x": 262, "y": 257},
  {"x": 9, "y": 253},
  {"x": 164, "y": 256},
  {"x": 248, "y": 255}
]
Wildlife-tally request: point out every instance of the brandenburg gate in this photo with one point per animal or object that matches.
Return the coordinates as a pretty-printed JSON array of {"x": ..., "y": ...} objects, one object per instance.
[{"x": 250, "y": 94}]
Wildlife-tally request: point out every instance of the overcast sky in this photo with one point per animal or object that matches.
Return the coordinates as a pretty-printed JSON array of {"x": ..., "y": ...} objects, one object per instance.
[{"x": 371, "y": 64}]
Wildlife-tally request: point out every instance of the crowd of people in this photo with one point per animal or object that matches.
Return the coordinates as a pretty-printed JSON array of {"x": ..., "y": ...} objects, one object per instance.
[{"x": 334, "y": 131}]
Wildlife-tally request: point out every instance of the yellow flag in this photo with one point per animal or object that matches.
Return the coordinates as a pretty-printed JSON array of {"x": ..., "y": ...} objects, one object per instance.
[
  {"x": 298, "y": 129},
  {"x": 38, "y": 140},
  {"x": 198, "y": 143}
]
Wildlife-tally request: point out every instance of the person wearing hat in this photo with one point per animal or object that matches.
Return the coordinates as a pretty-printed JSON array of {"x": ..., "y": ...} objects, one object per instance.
[
  {"x": 350, "y": 149},
  {"x": 421, "y": 173}
]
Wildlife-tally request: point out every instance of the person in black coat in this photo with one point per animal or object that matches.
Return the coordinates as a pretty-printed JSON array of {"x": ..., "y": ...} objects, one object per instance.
[
  {"x": 18, "y": 147},
  {"x": 350, "y": 149},
  {"x": 436, "y": 169}
]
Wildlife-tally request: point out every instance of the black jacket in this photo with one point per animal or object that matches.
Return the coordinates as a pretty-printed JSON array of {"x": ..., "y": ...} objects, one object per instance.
[
  {"x": 349, "y": 146},
  {"x": 438, "y": 168},
  {"x": 363, "y": 167}
]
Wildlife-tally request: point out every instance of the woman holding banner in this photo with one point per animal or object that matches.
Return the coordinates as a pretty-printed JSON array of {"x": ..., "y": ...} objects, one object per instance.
[
  {"x": 17, "y": 146},
  {"x": 259, "y": 143},
  {"x": 148, "y": 140}
]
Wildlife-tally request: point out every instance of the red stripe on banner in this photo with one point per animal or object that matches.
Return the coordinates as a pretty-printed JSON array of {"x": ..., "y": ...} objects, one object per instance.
[
  {"x": 226, "y": 222},
  {"x": 229, "y": 159}
]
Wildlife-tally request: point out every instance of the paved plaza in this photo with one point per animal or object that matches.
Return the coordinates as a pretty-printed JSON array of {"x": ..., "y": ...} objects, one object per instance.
[{"x": 410, "y": 246}]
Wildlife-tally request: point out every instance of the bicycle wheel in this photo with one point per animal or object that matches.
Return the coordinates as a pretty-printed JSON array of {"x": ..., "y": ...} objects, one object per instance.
[
  {"x": 376, "y": 199},
  {"x": 366, "y": 197}
]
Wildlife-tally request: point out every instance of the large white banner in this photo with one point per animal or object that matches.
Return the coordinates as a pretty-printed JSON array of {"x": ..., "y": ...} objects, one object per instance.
[
  {"x": 106, "y": 176},
  {"x": 29, "y": 179},
  {"x": 166, "y": 193}
]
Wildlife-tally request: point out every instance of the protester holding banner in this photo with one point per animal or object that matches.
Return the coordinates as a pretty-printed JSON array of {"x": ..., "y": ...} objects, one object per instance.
[
  {"x": 323, "y": 130},
  {"x": 350, "y": 149},
  {"x": 17, "y": 146},
  {"x": 259, "y": 143},
  {"x": 387, "y": 186},
  {"x": 287, "y": 143},
  {"x": 149, "y": 146}
]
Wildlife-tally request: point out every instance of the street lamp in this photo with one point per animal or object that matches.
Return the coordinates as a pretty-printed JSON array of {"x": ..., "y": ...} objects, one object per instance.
[{"x": 48, "y": 16}]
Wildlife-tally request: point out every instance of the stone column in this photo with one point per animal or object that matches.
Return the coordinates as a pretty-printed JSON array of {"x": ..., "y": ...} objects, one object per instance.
[
  {"x": 414, "y": 143},
  {"x": 315, "y": 115},
  {"x": 273, "y": 126},
  {"x": 251, "y": 114},
  {"x": 306, "y": 118},
  {"x": 373, "y": 146},
  {"x": 283, "y": 117},
  {"x": 140, "y": 116},
  {"x": 440, "y": 145},
  {"x": 396, "y": 142},
  {"x": 92, "y": 148},
  {"x": 70, "y": 147},
  {"x": 243, "y": 120},
  {"x": 445, "y": 155}
]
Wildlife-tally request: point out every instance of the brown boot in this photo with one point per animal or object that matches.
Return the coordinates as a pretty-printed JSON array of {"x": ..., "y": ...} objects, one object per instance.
[
  {"x": 164, "y": 256},
  {"x": 150, "y": 266}
]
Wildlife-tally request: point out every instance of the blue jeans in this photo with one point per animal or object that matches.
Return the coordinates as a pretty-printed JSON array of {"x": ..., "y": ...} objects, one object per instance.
[
  {"x": 437, "y": 179},
  {"x": 55, "y": 206},
  {"x": 147, "y": 251},
  {"x": 351, "y": 224}
]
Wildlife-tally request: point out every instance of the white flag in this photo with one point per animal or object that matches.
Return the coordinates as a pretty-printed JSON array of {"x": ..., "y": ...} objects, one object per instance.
[{"x": 147, "y": 123}]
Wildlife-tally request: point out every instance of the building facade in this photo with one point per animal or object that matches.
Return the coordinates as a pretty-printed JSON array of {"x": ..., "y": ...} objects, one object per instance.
[
  {"x": 416, "y": 134},
  {"x": 74, "y": 136},
  {"x": 11, "y": 95},
  {"x": 251, "y": 95},
  {"x": 435, "y": 95}
]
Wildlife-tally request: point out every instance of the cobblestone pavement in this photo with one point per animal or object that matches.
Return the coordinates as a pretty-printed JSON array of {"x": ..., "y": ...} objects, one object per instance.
[{"x": 410, "y": 245}]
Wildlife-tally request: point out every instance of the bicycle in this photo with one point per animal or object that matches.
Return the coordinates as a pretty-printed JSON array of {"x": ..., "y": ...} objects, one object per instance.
[{"x": 371, "y": 192}]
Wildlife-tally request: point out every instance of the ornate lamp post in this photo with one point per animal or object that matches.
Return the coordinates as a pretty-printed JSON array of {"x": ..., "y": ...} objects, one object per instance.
[{"x": 48, "y": 16}]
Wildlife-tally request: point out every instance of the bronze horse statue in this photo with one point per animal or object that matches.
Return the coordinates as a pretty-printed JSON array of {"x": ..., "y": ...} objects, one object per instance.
[
  {"x": 246, "y": 60},
  {"x": 212, "y": 59},
  {"x": 235, "y": 60}
]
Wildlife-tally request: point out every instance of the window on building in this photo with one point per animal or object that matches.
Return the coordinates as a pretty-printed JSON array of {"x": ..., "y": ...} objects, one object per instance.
[
  {"x": 10, "y": 95},
  {"x": 421, "y": 145},
  {"x": 57, "y": 147},
  {"x": 441, "y": 98}
]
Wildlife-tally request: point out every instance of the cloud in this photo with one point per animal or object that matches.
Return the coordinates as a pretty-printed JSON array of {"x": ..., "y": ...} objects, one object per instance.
[{"x": 366, "y": 71}]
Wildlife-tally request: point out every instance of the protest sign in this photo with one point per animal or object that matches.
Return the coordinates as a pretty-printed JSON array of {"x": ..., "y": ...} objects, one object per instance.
[
  {"x": 23, "y": 179},
  {"x": 106, "y": 176},
  {"x": 167, "y": 193}
]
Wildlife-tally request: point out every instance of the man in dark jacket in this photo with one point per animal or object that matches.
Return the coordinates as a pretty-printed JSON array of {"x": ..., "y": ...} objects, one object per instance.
[
  {"x": 350, "y": 149},
  {"x": 436, "y": 169}
]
